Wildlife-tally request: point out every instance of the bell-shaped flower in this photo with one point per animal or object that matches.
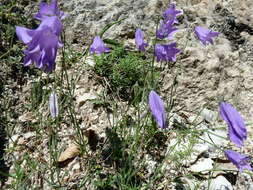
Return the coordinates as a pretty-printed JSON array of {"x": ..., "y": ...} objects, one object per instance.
[
  {"x": 205, "y": 35},
  {"x": 42, "y": 43},
  {"x": 139, "y": 40},
  {"x": 156, "y": 106},
  {"x": 166, "y": 52},
  {"x": 47, "y": 10},
  {"x": 53, "y": 105},
  {"x": 43, "y": 50},
  {"x": 236, "y": 127},
  {"x": 171, "y": 14},
  {"x": 166, "y": 30},
  {"x": 26, "y": 35},
  {"x": 98, "y": 46},
  {"x": 239, "y": 160}
]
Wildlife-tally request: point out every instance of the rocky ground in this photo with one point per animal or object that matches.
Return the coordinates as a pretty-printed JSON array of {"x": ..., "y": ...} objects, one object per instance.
[
  {"x": 208, "y": 75},
  {"x": 204, "y": 75}
]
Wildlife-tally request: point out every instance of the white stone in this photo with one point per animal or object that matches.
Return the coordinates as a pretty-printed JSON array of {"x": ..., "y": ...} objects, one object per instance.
[
  {"x": 250, "y": 187},
  {"x": 219, "y": 183},
  {"x": 215, "y": 138},
  {"x": 202, "y": 165},
  {"x": 28, "y": 135},
  {"x": 150, "y": 164},
  {"x": 208, "y": 115},
  {"x": 90, "y": 61},
  {"x": 85, "y": 97}
]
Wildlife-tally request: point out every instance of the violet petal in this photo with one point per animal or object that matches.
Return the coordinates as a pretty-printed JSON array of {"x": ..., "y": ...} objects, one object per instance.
[
  {"x": 139, "y": 40},
  {"x": 47, "y": 10},
  {"x": 166, "y": 52},
  {"x": 239, "y": 160},
  {"x": 53, "y": 105},
  {"x": 171, "y": 14},
  {"x": 236, "y": 127},
  {"x": 24, "y": 34},
  {"x": 156, "y": 106},
  {"x": 205, "y": 35},
  {"x": 166, "y": 30},
  {"x": 98, "y": 46}
]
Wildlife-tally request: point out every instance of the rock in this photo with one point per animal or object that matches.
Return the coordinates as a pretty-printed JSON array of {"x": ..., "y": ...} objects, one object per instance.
[
  {"x": 85, "y": 97},
  {"x": 215, "y": 138},
  {"x": 175, "y": 148},
  {"x": 88, "y": 17},
  {"x": 202, "y": 165},
  {"x": 222, "y": 168},
  {"x": 207, "y": 72},
  {"x": 189, "y": 183},
  {"x": 219, "y": 183},
  {"x": 150, "y": 164},
  {"x": 27, "y": 117},
  {"x": 242, "y": 10},
  {"x": 208, "y": 115},
  {"x": 15, "y": 137},
  {"x": 29, "y": 135},
  {"x": 250, "y": 187},
  {"x": 90, "y": 61}
]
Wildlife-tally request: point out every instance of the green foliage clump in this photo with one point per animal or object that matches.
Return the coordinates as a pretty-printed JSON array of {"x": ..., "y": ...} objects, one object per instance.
[{"x": 123, "y": 70}]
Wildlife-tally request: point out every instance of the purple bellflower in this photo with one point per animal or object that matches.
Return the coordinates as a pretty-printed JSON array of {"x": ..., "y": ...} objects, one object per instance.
[
  {"x": 166, "y": 52},
  {"x": 171, "y": 14},
  {"x": 166, "y": 30},
  {"x": 53, "y": 105},
  {"x": 51, "y": 9},
  {"x": 42, "y": 43},
  {"x": 139, "y": 40},
  {"x": 236, "y": 128},
  {"x": 205, "y": 35},
  {"x": 26, "y": 35},
  {"x": 156, "y": 106},
  {"x": 98, "y": 46},
  {"x": 239, "y": 160}
]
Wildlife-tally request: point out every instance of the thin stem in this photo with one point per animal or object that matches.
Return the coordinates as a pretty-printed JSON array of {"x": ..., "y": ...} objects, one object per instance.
[{"x": 153, "y": 60}]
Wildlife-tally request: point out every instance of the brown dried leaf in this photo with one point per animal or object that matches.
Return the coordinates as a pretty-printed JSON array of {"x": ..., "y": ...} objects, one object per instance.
[{"x": 71, "y": 152}]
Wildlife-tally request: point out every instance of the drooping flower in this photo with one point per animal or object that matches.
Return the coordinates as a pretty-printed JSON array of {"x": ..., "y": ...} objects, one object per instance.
[
  {"x": 239, "y": 160},
  {"x": 26, "y": 35},
  {"x": 166, "y": 52},
  {"x": 236, "y": 128},
  {"x": 166, "y": 30},
  {"x": 53, "y": 105},
  {"x": 171, "y": 14},
  {"x": 156, "y": 106},
  {"x": 42, "y": 43},
  {"x": 139, "y": 40},
  {"x": 51, "y": 9},
  {"x": 98, "y": 46},
  {"x": 205, "y": 35}
]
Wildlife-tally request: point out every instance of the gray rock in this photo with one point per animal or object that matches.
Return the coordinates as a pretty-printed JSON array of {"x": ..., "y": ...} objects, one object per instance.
[
  {"x": 209, "y": 74},
  {"x": 88, "y": 17},
  {"x": 202, "y": 165},
  {"x": 219, "y": 183},
  {"x": 250, "y": 187},
  {"x": 208, "y": 115}
]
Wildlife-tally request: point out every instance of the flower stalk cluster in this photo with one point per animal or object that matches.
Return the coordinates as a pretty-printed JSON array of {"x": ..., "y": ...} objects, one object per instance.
[
  {"x": 43, "y": 43},
  {"x": 167, "y": 52}
]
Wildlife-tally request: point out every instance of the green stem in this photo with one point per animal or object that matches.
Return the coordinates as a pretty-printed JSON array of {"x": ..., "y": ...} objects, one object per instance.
[
  {"x": 70, "y": 106},
  {"x": 153, "y": 60}
]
